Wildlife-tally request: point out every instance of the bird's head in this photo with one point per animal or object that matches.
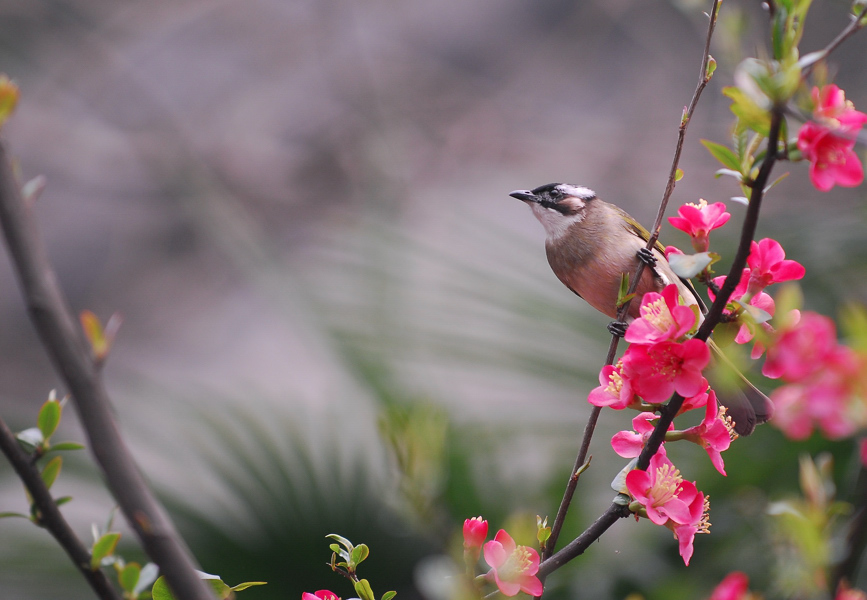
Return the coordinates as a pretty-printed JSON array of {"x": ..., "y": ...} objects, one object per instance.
[{"x": 557, "y": 205}]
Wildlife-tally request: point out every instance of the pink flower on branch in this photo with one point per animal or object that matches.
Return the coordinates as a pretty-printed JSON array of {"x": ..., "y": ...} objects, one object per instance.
[
  {"x": 662, "y": 318},
  {"x": 614, "y": 391},
  {"x": 513, "y": 567},
  {"x": 714, "y": 433},
  {"x": 320, "y": 595},
  {"x": 698, "y": 220},
  {"x": 659, "y": 370},
  {"x": 828, "y": 142},
  {"x": 768, "y": 264},
  {"x": 629, "y": 444},
  {"x": 663, "y": 494},
  {"x": 475, "y": 533},
  {"x": 733, "y": 587}
]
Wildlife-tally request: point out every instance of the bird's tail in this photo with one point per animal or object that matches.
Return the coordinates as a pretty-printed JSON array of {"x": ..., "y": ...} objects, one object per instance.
[{"x": 745, "y": 403}]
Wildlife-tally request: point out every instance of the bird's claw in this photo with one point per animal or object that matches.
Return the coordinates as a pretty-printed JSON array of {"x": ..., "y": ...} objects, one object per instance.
[
  {"x": 646, "y": 256},
  {"x": 617, "y": 328}
]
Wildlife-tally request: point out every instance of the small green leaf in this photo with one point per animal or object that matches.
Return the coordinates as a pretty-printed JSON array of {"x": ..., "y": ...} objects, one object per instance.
[
  {"x": 358, "y": 554},
  {"x": 62, "y": 446},
  {"x": 161, "y": 590},
  {"x": 723, "y": 154},
  {"x": 342, "y": 540},
  {"x": 49, "y": 418},
  {"x": 129, "y": 577},
  {"x": 247, "y": 584},
  {"x": 63, "y": 500},
  {"x": 711, "y": 67},
  {"x": 220, "y": 588},
  {"x": 389, "y": 595},
  {"x": 51, "y": 471},
  {"x": 678, "y": 174},
  {"x": 364, "y": 591},
  {"x": 103, "y": 548},
  {"x": 8, "y": 98},
  {"x": 335, "y": 548},
  {"x": 4, "y": 515}
]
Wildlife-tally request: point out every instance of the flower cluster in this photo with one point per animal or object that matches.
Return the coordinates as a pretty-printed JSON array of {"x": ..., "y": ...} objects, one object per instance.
[
  {"x": 828, "y": 140},
  {"x": 826, "y": 382},
  {"x": 663, "y": 359},
  {"x": 767, "y": 264},
  {"x": 513, "y": 567},
  {"x": 320, "y": 595},
  {"x": 663, "y": 496}
]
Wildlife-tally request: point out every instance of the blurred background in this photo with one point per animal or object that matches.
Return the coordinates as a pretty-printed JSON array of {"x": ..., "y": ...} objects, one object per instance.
[{"x": 335, "y": 320}]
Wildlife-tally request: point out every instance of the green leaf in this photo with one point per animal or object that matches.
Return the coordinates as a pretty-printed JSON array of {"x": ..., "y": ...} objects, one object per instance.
[
  {"x": 389, "y": 595},
  {"x": 358, "y": 554},
  {"x": 103, "y": 548},
  {"x": 94, "y": 333},
  {"x": 63, "y": 500},
  {"x": 161, "y": 590},
  {"x": 723, "y": 154},
  {"x": 222, "y": 590},
  {"x": 247, "y": 584},
  {"x": 51, "y": 471},
  {"x": 750, "y": 115},
  {"x": 62, "y": 446},
  {"x": 49, "y": 418},
  {"x": 678, "y": 174},
  {"x": 4, "y": 515},
  {"x": 342, "y": 540},
  {"x": 711, "y": 67},
  {"x": 8, "y": 98},
  {"x": 129, "y": 577},
  {"x": 364, "y": 591}
]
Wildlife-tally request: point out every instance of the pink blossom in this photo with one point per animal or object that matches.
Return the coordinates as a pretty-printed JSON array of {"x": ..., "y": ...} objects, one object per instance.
[
  {"x": 698, "y": 220},
  {"x": 829, "y": 140},
  {"x": 802, "y": 347},
  {"x": 664, "y": 494},
  {"x": 513, "y": 567},
  {"x": 615, "y": 390},
  {"x": 768, "y": 264},
  {"x": 748, "y": 326},
  {"x": 475, "y": 532},
  {"x": 320, "y": 595},
  {"x": 844, "y": 592},
  {"x": 662, "y": 318},
  {"x": 629, "y": 444},
  {"x": 733, "y": 587},
  {"x": 714, "y": 433},
  {"x": 658, "y": 370}
]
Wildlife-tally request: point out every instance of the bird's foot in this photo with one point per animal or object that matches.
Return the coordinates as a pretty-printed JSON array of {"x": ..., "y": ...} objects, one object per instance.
[
  {"x": 646, "y": 256},
  {"x": 617, "y": 328}
]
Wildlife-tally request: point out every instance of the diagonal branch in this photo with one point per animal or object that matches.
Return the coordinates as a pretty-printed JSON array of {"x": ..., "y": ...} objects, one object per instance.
[
  {"x": 590, "y": 426},
  {"x": 63, "y": 340},
  {"x": 50, "y": 516}
]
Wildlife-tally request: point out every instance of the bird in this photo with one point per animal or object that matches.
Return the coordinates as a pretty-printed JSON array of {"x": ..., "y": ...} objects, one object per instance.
[{"x": 590, "y": 244}]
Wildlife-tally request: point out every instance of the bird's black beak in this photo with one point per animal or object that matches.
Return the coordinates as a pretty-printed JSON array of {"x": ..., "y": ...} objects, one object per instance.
[{"x": 525, "y": 196}]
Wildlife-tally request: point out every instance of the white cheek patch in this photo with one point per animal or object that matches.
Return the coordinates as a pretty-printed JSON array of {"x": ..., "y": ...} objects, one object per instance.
[
  {"x": 554, "y": 222},
  {"x": 577, "y": 191}
]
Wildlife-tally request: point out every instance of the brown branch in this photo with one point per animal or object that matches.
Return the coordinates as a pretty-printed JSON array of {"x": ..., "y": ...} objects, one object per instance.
[
  {"x": 590, "y": 426},
  {"x": 50, "y": 516},
  {"x": 64, "y": 342}
]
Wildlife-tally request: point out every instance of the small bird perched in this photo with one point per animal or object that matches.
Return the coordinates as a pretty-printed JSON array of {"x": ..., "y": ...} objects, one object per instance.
[{"x": 591, "y": 243}]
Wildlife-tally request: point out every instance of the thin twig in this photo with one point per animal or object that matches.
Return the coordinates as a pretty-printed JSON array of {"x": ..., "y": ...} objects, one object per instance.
[
  {"x": 849, "y": 30},
  {"x": 590, "y": 426},
  {"x": 64, "y": 342},
  {"x": 50, "y": 516}
]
